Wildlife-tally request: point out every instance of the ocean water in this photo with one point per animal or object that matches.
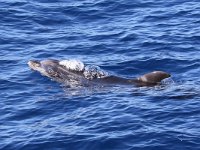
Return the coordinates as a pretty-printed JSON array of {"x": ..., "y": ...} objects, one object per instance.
[{"x": 127, "y": 38}]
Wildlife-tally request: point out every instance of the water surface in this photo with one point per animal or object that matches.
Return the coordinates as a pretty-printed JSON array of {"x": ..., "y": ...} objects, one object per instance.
[{"x": 125, "y": 37}]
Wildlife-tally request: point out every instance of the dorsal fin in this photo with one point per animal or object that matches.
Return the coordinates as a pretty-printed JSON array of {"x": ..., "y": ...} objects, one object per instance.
[{"x": 154, "y": 77}]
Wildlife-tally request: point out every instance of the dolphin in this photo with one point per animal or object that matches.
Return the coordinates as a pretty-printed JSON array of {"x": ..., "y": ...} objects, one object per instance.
[{"x": 60, "y": 73}]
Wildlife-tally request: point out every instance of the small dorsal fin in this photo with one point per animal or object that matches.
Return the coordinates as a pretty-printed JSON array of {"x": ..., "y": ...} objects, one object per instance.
[{"x": 154, "y": 77}]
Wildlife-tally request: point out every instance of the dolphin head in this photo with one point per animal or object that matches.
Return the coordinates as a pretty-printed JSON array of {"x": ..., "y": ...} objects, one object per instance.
[
  {"x": 58, "y": 72},
  {"x": 48, "y": 68}
]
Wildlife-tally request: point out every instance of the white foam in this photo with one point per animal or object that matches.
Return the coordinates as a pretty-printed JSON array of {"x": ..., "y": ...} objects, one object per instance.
[
  {"x": 72, "y": 64},
  {"x": 92, "y": 72}
]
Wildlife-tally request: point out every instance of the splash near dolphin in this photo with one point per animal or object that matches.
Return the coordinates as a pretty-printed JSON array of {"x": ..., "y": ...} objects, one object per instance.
[{"x": 74, "y": 71}]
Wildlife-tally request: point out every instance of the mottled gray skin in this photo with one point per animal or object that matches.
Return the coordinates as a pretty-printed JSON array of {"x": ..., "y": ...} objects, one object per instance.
[{"x": 52, "y": 69}]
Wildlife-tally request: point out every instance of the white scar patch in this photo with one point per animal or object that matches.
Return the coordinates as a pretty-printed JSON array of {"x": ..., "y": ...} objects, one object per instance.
[{"x": 72, "y": 64}]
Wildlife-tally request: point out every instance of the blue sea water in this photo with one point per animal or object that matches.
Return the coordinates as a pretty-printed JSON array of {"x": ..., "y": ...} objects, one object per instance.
[{"x": 125, "y": 37}]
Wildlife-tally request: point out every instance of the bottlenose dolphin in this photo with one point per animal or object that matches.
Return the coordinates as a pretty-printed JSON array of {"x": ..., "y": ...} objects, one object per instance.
[{"x": 58, "y": 71}]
